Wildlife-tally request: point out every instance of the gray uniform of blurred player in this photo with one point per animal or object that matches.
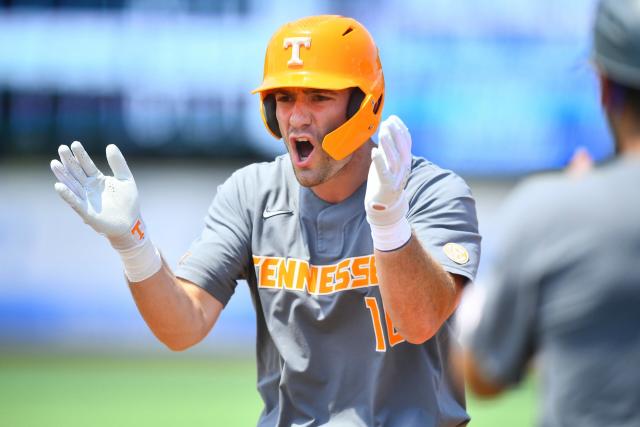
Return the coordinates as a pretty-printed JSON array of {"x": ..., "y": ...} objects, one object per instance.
[
  {"x": 355, "y": 254},
  {"x": 565, "y": 284}
]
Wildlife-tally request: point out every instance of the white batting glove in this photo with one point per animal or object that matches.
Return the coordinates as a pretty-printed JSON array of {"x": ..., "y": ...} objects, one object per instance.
[
  {"x": 109, "y": 204},
  {"x": 385, "y": 201}
]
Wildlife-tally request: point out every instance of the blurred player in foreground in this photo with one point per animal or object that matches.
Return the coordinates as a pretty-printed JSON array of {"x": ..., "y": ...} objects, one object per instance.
[
  {"x": 565, "y": 284},
  {"x": 355, "y": 255}
]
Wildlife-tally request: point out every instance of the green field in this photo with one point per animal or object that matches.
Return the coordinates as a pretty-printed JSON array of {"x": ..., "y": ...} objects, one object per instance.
[{"x": 175, "y": 390}]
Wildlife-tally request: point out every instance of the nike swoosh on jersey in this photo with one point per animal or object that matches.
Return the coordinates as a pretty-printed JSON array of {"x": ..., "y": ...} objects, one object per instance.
[{"x": 268, "y": 214}]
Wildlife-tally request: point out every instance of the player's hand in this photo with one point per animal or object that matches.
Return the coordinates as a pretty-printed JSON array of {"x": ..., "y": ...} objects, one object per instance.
[
  {"x": 385, "y": 201},
  {"x": 391, "y": 163},
  {"x": 109, "y": 204}
]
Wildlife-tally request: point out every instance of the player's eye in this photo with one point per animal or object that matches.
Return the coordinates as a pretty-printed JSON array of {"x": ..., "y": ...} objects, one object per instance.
[
  {"x": 283, "y": 97},
  {"x": 320, "y": 97}
]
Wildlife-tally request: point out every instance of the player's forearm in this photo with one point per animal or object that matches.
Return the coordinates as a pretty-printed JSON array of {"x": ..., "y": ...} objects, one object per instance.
[
  {"x": 109, "y": 204},
  {"x": 172, "y": 313},
  {"x": 417, "y": 293}
]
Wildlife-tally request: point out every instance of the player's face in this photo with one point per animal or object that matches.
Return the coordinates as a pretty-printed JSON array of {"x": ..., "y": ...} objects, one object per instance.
[{"x": 305, "y": 116}]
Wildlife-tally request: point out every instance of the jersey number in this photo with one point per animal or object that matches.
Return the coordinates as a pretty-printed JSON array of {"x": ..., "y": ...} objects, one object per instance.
[{"x": 376, "y": 318}]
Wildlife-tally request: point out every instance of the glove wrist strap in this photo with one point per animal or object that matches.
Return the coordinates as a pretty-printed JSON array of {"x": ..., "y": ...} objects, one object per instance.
[
  {"x": 139, "y": 255},
  {"x": 391, "y": 237},
  {"x": 141, "y": 262}
]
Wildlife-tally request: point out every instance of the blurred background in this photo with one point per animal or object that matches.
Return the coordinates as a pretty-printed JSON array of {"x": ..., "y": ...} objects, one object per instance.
[{"x": 494, "y": 89}]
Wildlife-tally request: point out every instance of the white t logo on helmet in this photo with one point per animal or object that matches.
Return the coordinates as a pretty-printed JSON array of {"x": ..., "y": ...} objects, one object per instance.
[{"x": 295, "y": 43}]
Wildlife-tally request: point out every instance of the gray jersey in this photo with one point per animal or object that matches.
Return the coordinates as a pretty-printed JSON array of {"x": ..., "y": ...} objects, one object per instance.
[
  {"x": 327, "y": 352},
  {"x": 565, "y": 285}
]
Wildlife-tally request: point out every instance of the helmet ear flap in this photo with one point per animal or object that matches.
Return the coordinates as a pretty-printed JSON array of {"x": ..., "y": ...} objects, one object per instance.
[
  {"x": 269, "y": 108},
  {"x": 355, "y": 99}
]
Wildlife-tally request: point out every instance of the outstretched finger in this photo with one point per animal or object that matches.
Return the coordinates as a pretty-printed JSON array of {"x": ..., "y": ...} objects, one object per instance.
[
  {"x": 71, "y": 163},
  {"x": 402, "y": 137},
  {"x": 377, "y": 156},
  {"x": 83, "y": 158},
  {"x": 387, "y": 144},
  {"x": 69, "y": 197},
  {"x": 117, "y": 163},
  {"x": 66, "y": 178}
]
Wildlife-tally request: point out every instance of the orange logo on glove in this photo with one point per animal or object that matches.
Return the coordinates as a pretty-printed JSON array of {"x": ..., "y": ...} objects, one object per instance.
[{"x": 136, "y": 229}]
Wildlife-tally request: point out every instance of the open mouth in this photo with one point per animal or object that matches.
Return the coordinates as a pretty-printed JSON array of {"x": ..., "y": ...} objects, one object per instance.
[{"x": 304, "y": 149}]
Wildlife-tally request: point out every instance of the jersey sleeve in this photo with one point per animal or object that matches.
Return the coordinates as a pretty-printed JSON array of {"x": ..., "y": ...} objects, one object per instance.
[
  {"x": 443, "y": 217},
  {"x": 221, "y": 254},
  {"x": 503, "y": 341}
]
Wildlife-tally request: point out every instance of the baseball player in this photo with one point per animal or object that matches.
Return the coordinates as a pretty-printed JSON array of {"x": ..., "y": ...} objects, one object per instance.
[
  {"x": 355, "y": 254},
  {"x": 565, "y": 281}
]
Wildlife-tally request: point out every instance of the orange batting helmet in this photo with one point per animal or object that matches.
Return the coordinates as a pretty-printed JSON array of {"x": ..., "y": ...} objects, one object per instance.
[{"x": 327, "y": 52}]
